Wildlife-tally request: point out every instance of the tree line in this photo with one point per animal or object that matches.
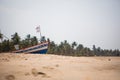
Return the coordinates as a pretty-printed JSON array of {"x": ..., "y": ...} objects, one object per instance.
[
  {"x": 8, "y": 45},
  {"x": 64, "y": 48},
  {"x": 74, "y": 49}
]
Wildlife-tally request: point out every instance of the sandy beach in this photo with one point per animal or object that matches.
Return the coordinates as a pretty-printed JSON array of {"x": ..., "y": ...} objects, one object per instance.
[{"x": 54, "y": 67}]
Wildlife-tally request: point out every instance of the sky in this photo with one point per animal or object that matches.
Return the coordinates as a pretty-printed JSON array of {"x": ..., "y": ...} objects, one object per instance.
[{"x": 88, "y": 22}]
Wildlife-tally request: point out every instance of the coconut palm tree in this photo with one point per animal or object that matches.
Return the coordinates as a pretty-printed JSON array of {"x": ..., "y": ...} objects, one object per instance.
[
  {"x": 16, "y": 38},
  {"x": 34, "y": 40},
  {"x": 74, "y": 44},
  {"x": 1, "y": 36}
]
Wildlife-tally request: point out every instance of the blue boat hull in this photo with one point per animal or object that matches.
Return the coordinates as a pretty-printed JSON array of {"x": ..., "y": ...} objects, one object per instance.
[
  {"x": 41, "y": 48},
  {"x": 40, "y": 52}
]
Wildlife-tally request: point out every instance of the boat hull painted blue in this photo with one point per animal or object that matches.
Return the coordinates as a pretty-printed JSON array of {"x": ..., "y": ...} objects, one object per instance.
[
  {"x": 37, "y": 49},
  {"x": 40, "y": 52}
]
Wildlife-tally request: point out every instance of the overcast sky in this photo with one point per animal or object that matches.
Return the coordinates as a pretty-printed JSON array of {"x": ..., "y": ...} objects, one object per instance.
[{"x": 85, "y": 21}]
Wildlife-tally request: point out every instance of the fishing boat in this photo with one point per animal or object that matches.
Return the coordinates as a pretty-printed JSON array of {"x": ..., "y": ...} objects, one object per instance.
[{"x": 40, "y": 48}]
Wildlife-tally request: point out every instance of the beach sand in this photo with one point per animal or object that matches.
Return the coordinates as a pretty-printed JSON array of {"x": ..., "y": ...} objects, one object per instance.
[{"x": 54, "y": 67}]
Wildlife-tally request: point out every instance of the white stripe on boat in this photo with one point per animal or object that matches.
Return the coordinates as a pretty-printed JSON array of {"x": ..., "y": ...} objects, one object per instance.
[{"x": 39, "y": 47}]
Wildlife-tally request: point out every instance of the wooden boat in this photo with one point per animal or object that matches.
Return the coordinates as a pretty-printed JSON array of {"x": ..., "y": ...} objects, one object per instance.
[{"x": 40, "y": 48}]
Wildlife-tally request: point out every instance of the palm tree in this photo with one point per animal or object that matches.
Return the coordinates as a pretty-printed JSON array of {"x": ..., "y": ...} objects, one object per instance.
[
  {"x": 73, "y": 48},
  {"x": 1, "y": 37},
  {"x": 51, "y": 48},
  {"x": 28, "y": 39},
  {"x": 61, "y": 47},
  {"x": 80, "y": 46},
  {"x": 16, "y": 38},
  {"x": 34, "y": 40},
  {"x": 66, "y": 48},
  {"x": 79, "y": 49},
  {"x": 74, "y": 44}
]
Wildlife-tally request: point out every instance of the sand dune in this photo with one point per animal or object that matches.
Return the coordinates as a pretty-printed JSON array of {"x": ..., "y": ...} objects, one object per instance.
[{"x": 54, "y": 67}]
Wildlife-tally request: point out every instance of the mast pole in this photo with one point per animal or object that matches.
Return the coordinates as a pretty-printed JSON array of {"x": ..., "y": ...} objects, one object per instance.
[{"x": 40, "y": 31}]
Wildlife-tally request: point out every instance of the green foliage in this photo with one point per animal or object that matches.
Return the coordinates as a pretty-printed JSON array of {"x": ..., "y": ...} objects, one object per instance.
[
  {"x": 15, "y": 38},
  {"x": 64, "y": 48},
  {"x": 5, "y": 46},
  {"x": 52, "y": 47},
  {"x": 28, "y": 41},
  {"x": 8, "y": 45},
  {"x": 1, "y": 36},
  {"x": 34, "y": 40}
]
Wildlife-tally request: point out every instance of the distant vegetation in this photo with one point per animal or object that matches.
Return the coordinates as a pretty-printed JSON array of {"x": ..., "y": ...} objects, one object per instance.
[
  {"x": 64, "y": 48},
  {"x": 8, "y": 45},
  {"x": 74, "y": 49}
]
